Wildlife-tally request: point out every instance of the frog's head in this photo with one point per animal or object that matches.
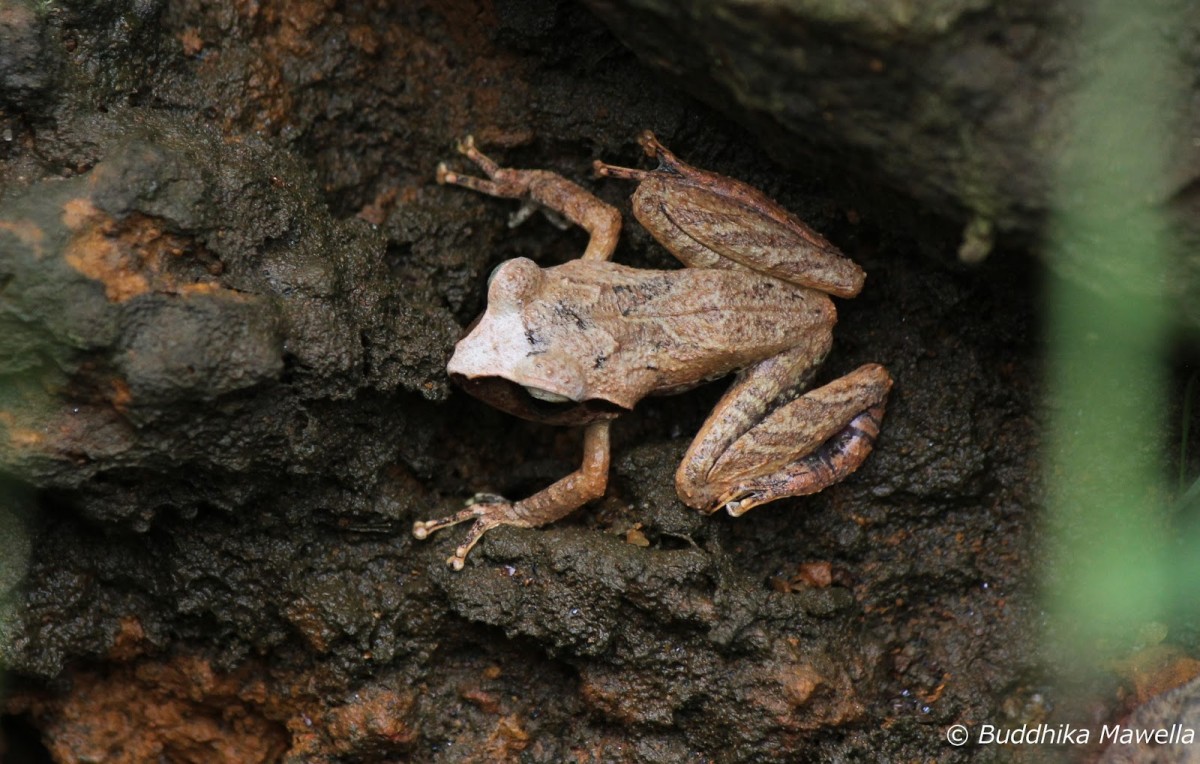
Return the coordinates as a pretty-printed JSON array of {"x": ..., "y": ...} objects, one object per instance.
[{"x": 519, "y": 368}]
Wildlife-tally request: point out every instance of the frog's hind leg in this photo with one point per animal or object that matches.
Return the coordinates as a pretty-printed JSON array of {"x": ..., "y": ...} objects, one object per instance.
[
  {"x": 860, "y": 395},
  {"x": 544, "y": 189},
  {"x": 795, "y": 446}
]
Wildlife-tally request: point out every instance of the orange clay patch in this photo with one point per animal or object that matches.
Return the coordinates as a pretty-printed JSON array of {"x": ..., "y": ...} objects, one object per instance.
[
  {"x": 18, "y": 436},
  {"x": 373, "y": 712},
  {"x": 27, "y": 233},
  {"x": 121, "y": 395},
  {"x": 93, "y": 252},
  {"x": 130, "y": 640},
  {"x": 79, "y": 211},
  {"x": 128, "y": 257},
  {"x": 1156, "y": 669},
  {"x": 191, "y": 41},
  {"x": 181, "y": 710}
]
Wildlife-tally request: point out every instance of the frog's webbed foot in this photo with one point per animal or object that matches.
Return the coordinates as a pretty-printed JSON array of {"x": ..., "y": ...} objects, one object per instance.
[{"x": 486, "y": 509}]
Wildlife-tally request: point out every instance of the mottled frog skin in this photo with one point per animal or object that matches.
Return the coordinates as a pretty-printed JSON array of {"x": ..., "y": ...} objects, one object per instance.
[{"x": 583, "y": 342}]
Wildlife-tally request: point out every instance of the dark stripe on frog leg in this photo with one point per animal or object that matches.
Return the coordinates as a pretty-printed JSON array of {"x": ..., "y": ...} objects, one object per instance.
[
  {"x": 865, "y": 425},
  {"x": 831, "y": 462},
  {"x": 857, "y": 438}
]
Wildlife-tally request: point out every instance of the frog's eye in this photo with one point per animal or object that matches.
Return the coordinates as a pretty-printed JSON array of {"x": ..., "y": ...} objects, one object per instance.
[
  {"x": 546, "y": 395},
  {"x": 514, "y": 282}
]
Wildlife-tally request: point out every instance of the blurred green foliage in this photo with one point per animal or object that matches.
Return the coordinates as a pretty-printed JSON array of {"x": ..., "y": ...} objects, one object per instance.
[{"x": 1111, "y": 568}]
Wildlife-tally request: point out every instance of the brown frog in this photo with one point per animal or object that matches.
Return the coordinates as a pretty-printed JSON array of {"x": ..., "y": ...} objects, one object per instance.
[{"x": 583, "y": 342}]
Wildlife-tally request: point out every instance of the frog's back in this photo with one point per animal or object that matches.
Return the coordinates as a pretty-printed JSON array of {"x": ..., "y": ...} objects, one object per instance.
[{"x": 672, "y": 329}]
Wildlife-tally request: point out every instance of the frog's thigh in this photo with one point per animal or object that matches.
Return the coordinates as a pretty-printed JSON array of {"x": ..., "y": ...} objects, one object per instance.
[
  {"x": 648, "y": 209},
  {"x": 801, "y": 447}
]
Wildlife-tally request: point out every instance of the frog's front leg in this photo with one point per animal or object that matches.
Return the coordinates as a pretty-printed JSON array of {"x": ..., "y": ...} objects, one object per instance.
[
  {"x": 546, "y": 506},
  {"x": 542, "y": 188},
  {"x": 763, "y": 443}
]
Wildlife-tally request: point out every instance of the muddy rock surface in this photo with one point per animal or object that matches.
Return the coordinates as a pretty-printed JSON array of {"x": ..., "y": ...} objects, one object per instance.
[{"x": 228, "y": 289}]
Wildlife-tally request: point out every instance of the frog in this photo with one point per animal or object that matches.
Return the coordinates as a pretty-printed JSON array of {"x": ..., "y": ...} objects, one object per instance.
[{"x": 581, "y": 343}]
